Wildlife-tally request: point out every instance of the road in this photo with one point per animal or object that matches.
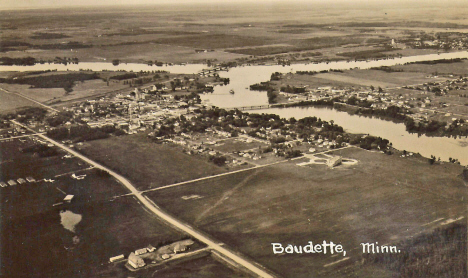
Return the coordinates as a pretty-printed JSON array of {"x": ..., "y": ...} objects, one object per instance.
[{"x": 211, "y": 243}]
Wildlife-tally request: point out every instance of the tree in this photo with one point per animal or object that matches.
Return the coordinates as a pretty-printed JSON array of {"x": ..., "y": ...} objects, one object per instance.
[
  {"x": 271, "y": 96},
  {"x": 219, "y": 160},
  {"x": 372, "y": 88}
]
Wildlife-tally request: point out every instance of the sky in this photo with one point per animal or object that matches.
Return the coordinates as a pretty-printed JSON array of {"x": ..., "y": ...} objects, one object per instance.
[{"x": 22, "y": 4}]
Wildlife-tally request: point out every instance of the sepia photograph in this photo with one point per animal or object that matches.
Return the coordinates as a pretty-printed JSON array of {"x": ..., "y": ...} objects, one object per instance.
[{"x": 233, "y": 138}]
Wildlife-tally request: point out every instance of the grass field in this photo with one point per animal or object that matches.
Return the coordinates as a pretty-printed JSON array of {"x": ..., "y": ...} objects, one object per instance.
[
  {"x": 106, "y": 230},
  {"x": 378, "y": 78},
  {"x": 382, "y": 198},
  {"x": 232, "y": 145},
  {"x": 35, "y": 243},
  {"x": 38, "y": 94},
  {"x": 10, "y": 102},
  {"x": 148, "y": 164},
  {"x": 16, "y": 200},
  {"x": 31, "y": 224}
]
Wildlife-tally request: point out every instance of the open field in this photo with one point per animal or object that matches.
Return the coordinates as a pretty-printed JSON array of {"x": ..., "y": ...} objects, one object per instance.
[
  {"x": 172, "y": 34},
  {"x": 54, "y": 94},
  {"x": 76, "y": 239},
  {"x": 32, "y": 225},
  {"x": 10, "y": 102},
  {"x": 91, "y": 88},
  {"x": 38, "y": 94},
  {"x": 378, "y": 78},
  {"x": 148, "y": 164},
  {"x": 314, "y": 81},
  {"x": 15, "y": 165},
  {"x": 382, "y": 198},
  {"x": 105, "y": 230}
]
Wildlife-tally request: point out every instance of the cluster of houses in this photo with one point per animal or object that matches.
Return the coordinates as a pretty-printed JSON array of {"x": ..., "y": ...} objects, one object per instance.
[
  {"x": 12, "y": 132},
  {"x": 380, "y": 99},
  {"x": 459, "y": 43},
  {"x": 133, "y": 112},
  {"x": 136, "y": 259},
  {"x": 14, "y": 182}
]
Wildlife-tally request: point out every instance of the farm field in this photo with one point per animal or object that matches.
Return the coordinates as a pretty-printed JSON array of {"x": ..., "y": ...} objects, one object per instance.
[
  {"x": 10, "y": 102},
  {"x": 378, "y": 78},
  {"x": 146, "y": 163},
  {"x": 382, "y": 198},
  {"x": 233, "y": 31},
  {"x": 315, "y": 81}
]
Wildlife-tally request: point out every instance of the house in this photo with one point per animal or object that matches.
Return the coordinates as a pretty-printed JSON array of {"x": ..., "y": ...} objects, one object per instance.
[
  {"x": 141, "y": 251},
  {"x": 135, "y": 261},
  {"x": 21, "y": 181},
  {"x": 11, "y": 182},
  {"x": 30, "y": 179},
  {"x": 179, "y": 247},
  {"x": 151, "y": 248}
]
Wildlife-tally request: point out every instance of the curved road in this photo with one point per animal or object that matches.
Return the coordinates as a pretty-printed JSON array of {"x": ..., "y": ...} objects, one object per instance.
[{"x": 261, "y": 272}]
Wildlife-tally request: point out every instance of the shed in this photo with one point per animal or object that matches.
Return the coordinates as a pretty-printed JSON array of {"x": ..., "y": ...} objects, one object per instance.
[
  {"x": 116, "y": 258},
  {"x": 68, "y": 198}
]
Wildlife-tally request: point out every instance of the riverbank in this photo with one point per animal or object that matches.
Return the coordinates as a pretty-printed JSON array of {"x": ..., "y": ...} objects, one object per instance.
[{"x": 393, "y": 114}]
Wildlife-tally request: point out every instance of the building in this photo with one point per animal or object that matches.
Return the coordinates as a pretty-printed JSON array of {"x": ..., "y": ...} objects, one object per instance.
[
  {"x": 30, "y": 179},
  {"x": 116, "y": 258},
  {"x": 141, "y": 251},
  {"x": 135, "y": 261},
  {"x": 150, "y": 248},
  {"x": 334, "y": 161},
  {"x": 11, "y": 182},
  {"x": 68, "y": 198}
]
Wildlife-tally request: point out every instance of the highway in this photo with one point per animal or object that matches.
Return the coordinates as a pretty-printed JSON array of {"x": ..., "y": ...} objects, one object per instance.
[{"x": 211, "y": 243}]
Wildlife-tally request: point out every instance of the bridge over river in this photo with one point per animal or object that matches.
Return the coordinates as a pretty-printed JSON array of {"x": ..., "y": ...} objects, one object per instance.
[{"x": 265, "y": 106}]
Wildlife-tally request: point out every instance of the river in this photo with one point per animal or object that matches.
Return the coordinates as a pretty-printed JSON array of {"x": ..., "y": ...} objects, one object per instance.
[
  {"x": 396, "y": 133},
  {"x": 243, "y": 76}
]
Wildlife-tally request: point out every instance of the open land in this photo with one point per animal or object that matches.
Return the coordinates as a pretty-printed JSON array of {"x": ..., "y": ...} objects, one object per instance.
[
  {"x": 10, "y": 102},
  {"x": 31, "y": 216},
  {"x": 150, "y": 165},
  {"x": 234, "y": 32},
  {"x": 379, "y": 199}
]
